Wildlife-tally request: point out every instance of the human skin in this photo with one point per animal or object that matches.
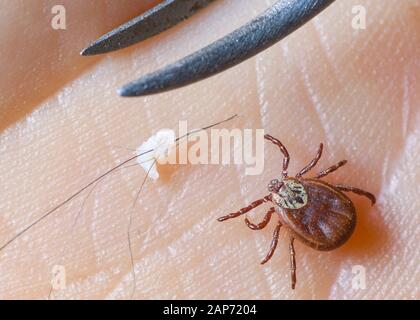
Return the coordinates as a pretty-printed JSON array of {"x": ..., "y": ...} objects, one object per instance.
[{"x": 62, "y": 125}]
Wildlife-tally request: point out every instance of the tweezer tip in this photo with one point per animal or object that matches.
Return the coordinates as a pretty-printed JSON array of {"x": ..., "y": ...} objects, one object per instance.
[
  {"x": 127, "y": 91},
  {"x": 85, "y": 52},
  {"x": 91, "y": 50},
  {"x": 100, "y": 46},
  {"x": 144, "y": 86}
]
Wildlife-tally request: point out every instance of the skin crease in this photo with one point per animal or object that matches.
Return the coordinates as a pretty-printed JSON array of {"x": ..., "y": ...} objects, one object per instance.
[{"x": 62, "y": 124}]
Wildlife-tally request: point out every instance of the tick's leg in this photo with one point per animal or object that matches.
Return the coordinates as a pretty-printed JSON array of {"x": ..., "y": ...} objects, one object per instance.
[
  {"x": 312, "y": 163},
  {"x": 245, "y": 209},
  {"x": 358, "y": 191},
  {"x": 283, "y": 150},
  {"x": 292, "y": 262},
  {"x": 331, "y": 169},
  {"x": 263, "y": 223},
  {"x": 274, "y": 242}
]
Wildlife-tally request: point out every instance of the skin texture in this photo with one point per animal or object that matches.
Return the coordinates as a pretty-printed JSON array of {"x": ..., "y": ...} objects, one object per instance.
[{"x": 62, "y": 125}]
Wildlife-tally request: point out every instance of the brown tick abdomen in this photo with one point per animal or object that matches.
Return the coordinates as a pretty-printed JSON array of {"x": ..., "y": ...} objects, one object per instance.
[{"x": 328, "y": 219}]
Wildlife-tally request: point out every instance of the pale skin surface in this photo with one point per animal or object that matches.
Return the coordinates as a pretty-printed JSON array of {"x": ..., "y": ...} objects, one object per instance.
[{"x": 62, "y": 124}]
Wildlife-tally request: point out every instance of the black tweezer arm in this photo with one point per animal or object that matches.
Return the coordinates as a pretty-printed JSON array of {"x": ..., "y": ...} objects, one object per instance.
[
  {"x": 280, "y": 20},
  {"x": 160, "y": 18}
]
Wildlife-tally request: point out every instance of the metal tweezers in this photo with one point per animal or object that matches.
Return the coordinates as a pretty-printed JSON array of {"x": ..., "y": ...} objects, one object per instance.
[{"x": 281, "y": 19}]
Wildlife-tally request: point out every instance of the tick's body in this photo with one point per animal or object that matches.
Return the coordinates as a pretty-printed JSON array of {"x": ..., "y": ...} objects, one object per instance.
[
  {"x": 326, "y": 221},
  {"x": 315, "y": 212}
]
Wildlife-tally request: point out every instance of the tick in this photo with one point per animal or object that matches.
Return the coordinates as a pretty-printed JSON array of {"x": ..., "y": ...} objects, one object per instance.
[{"x": 313, "y": 211}]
